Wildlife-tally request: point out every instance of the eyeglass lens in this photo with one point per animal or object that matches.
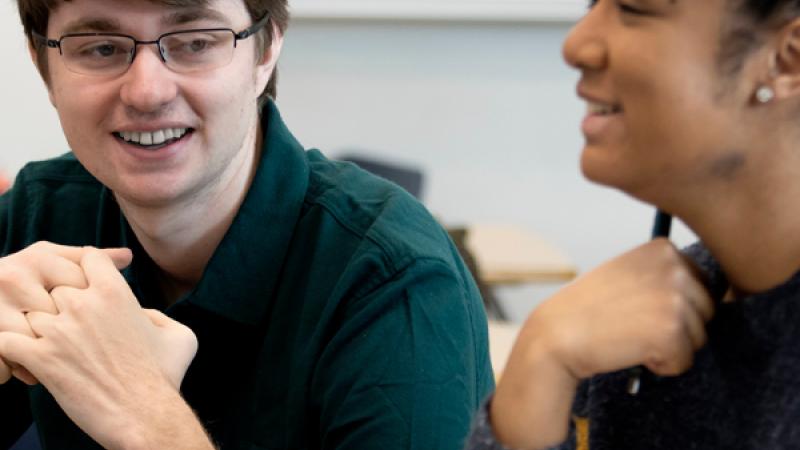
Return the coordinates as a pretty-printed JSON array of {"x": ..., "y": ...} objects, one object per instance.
[{"x": 187, "y": 51}]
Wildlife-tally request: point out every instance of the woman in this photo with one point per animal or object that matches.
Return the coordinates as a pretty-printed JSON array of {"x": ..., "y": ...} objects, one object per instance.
[{"x": 693, "y": 106}]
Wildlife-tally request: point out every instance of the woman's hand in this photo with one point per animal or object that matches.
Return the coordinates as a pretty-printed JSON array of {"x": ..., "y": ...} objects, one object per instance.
[{"x": 644, "y": 307}]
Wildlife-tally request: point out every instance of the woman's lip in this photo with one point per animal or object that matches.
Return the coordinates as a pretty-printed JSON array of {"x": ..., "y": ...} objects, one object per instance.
[{"x": 595, "y": 125}]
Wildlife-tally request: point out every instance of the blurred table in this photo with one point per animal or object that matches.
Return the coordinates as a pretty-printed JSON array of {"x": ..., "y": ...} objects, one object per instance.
[
  {"x": 501, "y": 339},
  {"x": 508, "y": 254}
]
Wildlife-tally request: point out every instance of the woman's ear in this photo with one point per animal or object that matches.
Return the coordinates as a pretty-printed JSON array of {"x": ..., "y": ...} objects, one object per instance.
[{"x": 786, "y": 62}]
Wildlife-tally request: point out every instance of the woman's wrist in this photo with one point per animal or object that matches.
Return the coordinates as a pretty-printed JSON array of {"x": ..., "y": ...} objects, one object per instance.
[{"x": 531, "y": 406}]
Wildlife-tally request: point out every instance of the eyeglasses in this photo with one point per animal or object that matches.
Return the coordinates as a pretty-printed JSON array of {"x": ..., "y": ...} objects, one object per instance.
[{"x": 186, "y": 51}]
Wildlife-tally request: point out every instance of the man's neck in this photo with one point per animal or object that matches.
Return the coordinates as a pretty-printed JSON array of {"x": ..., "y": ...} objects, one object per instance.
[{"x": 182, "y": 237}]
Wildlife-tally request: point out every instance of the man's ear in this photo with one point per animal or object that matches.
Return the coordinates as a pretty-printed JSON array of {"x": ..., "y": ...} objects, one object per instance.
[
  {"x": 35, "y": 59},
  {"x": 266, "y": 67}
]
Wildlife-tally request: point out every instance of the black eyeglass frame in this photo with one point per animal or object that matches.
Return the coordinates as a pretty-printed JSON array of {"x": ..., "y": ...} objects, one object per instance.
[{"x": 244, "y": 34}]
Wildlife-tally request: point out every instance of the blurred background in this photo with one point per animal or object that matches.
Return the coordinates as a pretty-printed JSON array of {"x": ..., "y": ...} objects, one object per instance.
[{"x": 472, "y": 94}]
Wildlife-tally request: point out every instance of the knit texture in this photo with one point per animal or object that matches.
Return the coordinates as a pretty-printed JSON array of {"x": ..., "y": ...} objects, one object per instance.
[{"x": 741, "y": 392}]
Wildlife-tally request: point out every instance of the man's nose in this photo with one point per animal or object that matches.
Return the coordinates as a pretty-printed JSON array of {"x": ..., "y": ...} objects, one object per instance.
[{"x": 148, "y": 84}]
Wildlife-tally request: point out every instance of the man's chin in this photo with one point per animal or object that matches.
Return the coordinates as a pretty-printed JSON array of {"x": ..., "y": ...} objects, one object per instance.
[{"x": 149, "y": 196}]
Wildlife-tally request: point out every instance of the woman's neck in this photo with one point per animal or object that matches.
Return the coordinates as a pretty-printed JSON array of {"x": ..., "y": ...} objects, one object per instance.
[{"x": 751, "y": 228}]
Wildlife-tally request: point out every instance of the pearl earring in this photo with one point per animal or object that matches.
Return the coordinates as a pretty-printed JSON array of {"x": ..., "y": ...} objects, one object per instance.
[{"x": 765, "y": 94}]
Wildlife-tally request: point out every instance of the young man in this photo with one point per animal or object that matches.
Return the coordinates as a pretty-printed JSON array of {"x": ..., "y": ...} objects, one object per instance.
[{"x": 330, "y": 309}]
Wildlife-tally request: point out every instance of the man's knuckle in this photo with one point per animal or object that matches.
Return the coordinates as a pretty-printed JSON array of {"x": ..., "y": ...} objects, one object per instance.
[
  {"x": 105, "y": 290},
  {"x": 90, "y": 250},
  {"x": 41, "y": 246},
  {"x": 11, "y": 275}
]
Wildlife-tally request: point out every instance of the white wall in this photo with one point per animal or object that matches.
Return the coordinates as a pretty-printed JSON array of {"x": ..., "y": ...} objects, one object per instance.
[{"x": 487, "y": 110}]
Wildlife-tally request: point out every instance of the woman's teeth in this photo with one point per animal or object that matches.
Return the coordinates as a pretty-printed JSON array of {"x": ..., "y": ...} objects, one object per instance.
[{"x": 602, "y": 108}]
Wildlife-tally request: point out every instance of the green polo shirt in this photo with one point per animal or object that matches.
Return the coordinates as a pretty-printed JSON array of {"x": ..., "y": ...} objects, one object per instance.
[{"x": 334, "y": 314}]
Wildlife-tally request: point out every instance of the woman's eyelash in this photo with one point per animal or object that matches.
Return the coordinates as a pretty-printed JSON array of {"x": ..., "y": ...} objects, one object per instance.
[
  {"x": 623, "y": 7},
  {"x": 629, "y": 9}
]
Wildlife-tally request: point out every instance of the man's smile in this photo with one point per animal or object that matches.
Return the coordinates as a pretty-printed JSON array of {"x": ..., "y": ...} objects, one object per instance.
[{"x": 153, "y": 139}]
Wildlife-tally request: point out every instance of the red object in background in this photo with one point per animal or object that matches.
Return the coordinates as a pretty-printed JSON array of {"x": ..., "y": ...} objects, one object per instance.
[{"x": 5, "y": 183}]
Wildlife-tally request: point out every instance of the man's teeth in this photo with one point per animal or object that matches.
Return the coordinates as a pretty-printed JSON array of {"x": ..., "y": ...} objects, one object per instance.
[
  {"x": 602, "y": 108},
  {"x": 153, "y": 137}
]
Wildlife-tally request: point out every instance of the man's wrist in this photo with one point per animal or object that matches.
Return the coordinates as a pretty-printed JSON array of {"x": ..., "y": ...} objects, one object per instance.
[{"x": 166, "y": 421}]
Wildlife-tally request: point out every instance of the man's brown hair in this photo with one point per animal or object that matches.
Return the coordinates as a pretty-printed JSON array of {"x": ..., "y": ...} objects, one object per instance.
[{"x": 35, "y": 14}]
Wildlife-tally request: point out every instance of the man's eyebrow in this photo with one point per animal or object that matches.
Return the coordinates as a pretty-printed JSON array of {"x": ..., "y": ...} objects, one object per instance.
[
  {"x": 106, "y": 25},
  {"x": 194, "y": 15},
  {"x": 92, "y": 25}
]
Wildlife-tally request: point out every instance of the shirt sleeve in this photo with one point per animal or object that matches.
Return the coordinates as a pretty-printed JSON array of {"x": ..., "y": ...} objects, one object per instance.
[
  {"x": 408, "y": 365},
  {"x": 15, "y": 414}
]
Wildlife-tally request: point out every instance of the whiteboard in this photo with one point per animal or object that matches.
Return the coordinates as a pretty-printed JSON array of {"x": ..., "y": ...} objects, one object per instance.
[{"x": 463, "y": 10}]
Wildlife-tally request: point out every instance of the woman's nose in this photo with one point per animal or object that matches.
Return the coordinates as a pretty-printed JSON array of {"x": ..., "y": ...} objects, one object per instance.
[{"x": 585, "y": 46}]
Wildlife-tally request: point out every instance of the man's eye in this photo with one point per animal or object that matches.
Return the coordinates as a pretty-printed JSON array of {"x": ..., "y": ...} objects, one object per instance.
[
  {"x": 191, "y": 47},
  {"x": 100, "y": 50},
  {"x": 198, "y": 45}
]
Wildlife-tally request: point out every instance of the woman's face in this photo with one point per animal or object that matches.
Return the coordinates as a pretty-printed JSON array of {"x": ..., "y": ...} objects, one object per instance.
[{"x": 661, "y": 115}]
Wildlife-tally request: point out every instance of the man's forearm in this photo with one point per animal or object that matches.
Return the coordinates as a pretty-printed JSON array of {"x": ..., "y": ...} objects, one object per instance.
[{"x": 165, "y": 421}]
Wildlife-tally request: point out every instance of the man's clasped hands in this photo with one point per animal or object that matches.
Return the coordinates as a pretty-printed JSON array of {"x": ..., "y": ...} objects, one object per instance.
[{"x": 69, "y": 321}]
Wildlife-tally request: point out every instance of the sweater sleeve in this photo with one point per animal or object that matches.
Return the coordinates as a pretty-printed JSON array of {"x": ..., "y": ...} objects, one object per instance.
[{"x": 481, "y": 436}]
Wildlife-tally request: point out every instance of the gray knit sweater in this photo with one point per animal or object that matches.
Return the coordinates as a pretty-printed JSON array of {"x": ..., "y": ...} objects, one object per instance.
[{"x": 743, "y": 391}]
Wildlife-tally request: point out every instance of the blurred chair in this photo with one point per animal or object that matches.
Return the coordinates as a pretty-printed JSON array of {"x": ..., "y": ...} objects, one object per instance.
[
  {"x": 407, "y": 177},
  {"x": 490, "y": 302}
]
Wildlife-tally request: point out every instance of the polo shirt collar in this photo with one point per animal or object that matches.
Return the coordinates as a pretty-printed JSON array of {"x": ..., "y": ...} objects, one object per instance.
[{"x": 243, "y": 273}]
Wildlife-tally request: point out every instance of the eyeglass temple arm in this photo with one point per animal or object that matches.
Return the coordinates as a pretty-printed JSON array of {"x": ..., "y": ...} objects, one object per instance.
[
  {"x": 52, "y": 43},
  {"x": 254, "y": 28}
]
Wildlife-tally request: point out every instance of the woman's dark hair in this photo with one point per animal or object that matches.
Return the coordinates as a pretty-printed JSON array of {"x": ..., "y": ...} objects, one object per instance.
[
  {"x": 763, "y": 10},
  {"x": 746, "y": 27}
]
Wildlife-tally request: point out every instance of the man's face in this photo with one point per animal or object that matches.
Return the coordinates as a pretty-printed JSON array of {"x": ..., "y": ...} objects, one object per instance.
[{"x": 209, "y": 118}]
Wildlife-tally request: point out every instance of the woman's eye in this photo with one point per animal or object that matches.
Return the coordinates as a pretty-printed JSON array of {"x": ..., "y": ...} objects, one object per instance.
[{"x": 628, "y": 9}]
